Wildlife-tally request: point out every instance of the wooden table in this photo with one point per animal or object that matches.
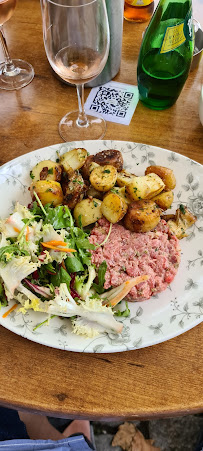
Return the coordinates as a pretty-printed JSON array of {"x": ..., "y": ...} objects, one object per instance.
[{"x": 162, "y": 380}]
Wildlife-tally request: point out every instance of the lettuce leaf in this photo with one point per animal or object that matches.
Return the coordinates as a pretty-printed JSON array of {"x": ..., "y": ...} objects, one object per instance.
[
  {"x": 99, "y": 288},
  {"x": 61, "y": 277},
  {"x": 59, "y": 217}
]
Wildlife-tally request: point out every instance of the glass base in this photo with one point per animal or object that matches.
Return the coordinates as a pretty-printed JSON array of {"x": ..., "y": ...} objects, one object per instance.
[
  {"x": 156, "y": 104},
  {"x": 18, "y": 77},
  {"x": 70, "y": 130}
]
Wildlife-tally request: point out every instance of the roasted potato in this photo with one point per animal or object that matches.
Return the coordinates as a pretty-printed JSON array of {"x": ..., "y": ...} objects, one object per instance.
[
  {"x": 92, "y": 192},
  {"x": 48, "y": 191},
  {"x": 87, "y": 166},
  {"x": 145, "y": 187},
  {"x": 164, "y": 200},
  {"x": 165, "y": 174},
  {"x": 46, "y": 170},
  {"x": 73, "y": 159},
  {"x": 73, "y": 187},
  {"x": 168, "y": 216},
  {"x": 110, "y": 156},
  {"x": 121, "y": 192},
  {"x": 113, "y": 207},
  {"x": 124, "y": 178},
  {"x": 142, "y": 216},
  {"x": 103, "y": 178},
  {"x": 182, "y": 221},
  {"x": 89, "y": 210}
]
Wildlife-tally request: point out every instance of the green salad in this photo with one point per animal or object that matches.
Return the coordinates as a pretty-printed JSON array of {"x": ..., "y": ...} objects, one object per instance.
[{"x": 45, "y": 265}]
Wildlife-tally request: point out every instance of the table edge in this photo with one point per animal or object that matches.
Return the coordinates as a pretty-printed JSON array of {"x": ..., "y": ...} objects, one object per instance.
[{"x": 150, "y": 415}]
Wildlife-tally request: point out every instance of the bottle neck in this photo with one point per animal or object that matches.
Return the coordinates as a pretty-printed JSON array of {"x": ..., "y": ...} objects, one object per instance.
[
  {"x": 173, "y": 10},
  {"x": 174, "y": 5}
]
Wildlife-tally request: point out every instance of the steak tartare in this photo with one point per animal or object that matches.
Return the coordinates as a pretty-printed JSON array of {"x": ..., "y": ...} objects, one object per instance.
[{"x": 129, "y": 254}]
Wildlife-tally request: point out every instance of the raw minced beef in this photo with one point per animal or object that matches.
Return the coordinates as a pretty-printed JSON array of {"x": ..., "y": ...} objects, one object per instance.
[{"x": 130, "y": 254}]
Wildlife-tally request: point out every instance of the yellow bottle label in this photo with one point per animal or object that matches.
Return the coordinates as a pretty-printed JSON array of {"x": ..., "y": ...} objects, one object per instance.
[
  {"x": 173, "y": 38},
  {"x": 138, "y": 2}
]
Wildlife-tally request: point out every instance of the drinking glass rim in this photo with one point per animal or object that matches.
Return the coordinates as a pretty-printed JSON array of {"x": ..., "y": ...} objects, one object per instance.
[{"x": 71, "y": 6}]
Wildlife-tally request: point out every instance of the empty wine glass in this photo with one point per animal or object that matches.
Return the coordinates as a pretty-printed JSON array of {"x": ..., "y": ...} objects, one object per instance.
[
  {"x": 16, "y": 73},
  {"x": 76, "y": 40}
]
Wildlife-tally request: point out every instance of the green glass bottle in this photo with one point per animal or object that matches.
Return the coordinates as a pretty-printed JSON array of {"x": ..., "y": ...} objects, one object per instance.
[{"x": 166, "y": 54}]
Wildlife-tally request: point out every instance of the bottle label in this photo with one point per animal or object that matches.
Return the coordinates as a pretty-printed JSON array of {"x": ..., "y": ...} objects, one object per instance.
[
  {"x": 138, "y": 2},
  {"x": 176, "y": 35},
  {"x": 173, "y": 38}
]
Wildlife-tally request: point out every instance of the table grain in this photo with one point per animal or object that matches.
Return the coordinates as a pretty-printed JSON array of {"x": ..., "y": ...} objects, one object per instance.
[{"x": 162, "y": 380}]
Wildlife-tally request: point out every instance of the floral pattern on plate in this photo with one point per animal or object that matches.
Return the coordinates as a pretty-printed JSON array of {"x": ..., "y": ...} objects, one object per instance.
[{"x": 164, "y": 316}]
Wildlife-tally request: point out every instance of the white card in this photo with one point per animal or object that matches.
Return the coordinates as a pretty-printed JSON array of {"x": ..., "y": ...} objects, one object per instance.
[{"x": 116, "y": 102}]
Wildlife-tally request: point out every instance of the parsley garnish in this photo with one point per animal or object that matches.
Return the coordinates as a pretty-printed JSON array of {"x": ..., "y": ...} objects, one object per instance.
[
  {"x": 78, "y": 181},
  {"x": 182, "y": 209}
]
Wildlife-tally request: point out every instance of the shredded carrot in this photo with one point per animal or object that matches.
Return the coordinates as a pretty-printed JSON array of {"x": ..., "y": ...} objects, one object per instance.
[
  {"x": 9, "y": 311},
  {"x": 16, "y": 229},
  {"x": 27, "y": 233},
  {"x": 55, "y": 243},
  {"x": 63, "y": 250},
  {"x": 63, "y": 265},
  {"x": 56, "y": 248}
]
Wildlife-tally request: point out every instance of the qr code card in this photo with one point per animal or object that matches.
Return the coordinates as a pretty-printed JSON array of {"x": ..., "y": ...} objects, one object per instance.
[{"x": 116, "y": 102}]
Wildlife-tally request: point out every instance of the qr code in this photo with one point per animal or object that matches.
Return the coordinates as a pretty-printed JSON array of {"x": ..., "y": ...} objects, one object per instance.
[{"x": 112, "y": 101}]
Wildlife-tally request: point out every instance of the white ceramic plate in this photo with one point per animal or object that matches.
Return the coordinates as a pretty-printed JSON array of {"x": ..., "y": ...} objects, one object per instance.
[{"x": 167, "y": 315}]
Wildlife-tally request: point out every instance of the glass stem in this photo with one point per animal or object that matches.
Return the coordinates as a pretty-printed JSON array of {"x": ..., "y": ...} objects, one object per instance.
[
  {"x": 9, "y": 66},
  {"x": 82, "y": 118}
]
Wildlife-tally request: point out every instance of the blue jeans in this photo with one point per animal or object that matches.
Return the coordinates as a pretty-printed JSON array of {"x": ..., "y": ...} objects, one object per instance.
[{"x": 14, "y": 437}]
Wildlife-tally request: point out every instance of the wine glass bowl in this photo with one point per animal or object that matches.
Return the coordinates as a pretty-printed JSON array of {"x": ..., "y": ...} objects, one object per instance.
[
  {"x": 76, "y": 40},
  {"x": 6, "y": 10},
  {"x": 14, "y": 73}
]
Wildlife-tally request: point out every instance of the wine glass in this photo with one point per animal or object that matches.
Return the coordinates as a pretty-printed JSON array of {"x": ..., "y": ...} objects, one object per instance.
[
  {"x": 16, "y": 73},
  {"x": 76, "y": 40}
]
